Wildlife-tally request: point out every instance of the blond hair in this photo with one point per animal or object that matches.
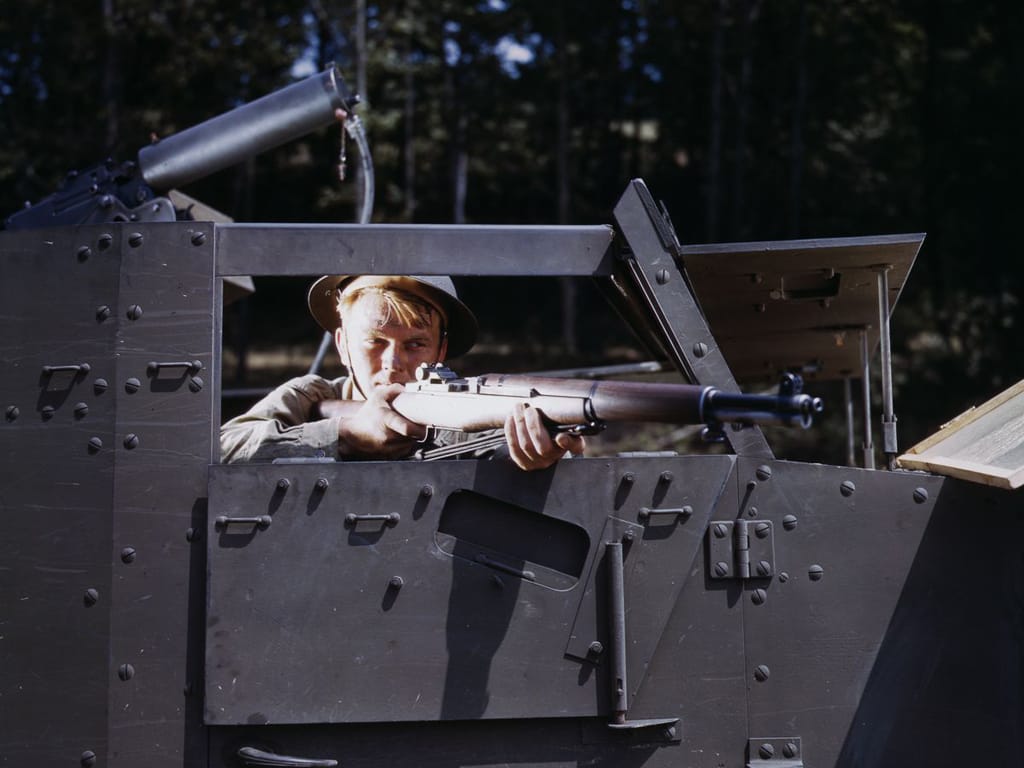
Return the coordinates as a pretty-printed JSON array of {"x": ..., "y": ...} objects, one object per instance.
[{"x": 397, "y": 305}]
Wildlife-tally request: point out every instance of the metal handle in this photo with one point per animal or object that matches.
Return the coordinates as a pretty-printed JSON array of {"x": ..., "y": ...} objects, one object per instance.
[
  {"x": 193, "y": 366},
  {"x": 648, "y": 512},
  {"x": 391, "y": 520},
  {"x": 498, "y": 565},
  {"x": 262, "y": 521},
  {"x": 258, "y": 757},
  {"x": 79, "y": 368}
]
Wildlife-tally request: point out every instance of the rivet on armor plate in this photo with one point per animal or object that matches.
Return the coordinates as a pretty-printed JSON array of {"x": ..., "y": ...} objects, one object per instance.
[
  {"x": 135, "y": 239},
  {"x": 763, "y": 472},
  {"x": 100, "y": 386},
  {"x": 84, "y": 253},
  {"x": 815, "y": 572},
  {"x": 11, "y": 413},
  {"x": 91, "y": 597},
  {"x": 920, "y": 495},
  {"x": 131, "y": 441},
  {"x": 847, "y": 488},
  {"x": 134, "y": 312},
  {"x": 81, "y": 410},
  {"x": 95, "y": 444},
  {"x": 789, "y": 522},
  {"x": 198, "y": 238},
  {"x": 128, "y": 555},
  {"x": 126, "y": 672},
  {"x": 762, "y": 673},
  {"x": 132, "y": 385}
]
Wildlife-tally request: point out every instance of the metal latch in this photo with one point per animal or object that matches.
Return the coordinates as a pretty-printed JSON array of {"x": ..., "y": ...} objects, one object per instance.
[{"x": 741, "y": 549}]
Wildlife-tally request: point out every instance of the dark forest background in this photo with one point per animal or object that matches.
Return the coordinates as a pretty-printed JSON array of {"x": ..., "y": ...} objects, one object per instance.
[{"x": 751, "y": 120}]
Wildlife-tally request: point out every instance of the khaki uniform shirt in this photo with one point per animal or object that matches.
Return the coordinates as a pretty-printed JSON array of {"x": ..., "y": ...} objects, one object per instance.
[{"x": 287, "y": 424}]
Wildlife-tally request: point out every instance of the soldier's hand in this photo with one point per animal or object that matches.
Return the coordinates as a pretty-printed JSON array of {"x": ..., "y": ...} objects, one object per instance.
[
  {"x": 530, "y": 444},
  {"x": 378, "y": 431}
]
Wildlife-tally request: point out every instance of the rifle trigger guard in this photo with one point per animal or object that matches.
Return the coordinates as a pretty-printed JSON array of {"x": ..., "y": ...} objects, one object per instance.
[{"x": 578, "y": 430}]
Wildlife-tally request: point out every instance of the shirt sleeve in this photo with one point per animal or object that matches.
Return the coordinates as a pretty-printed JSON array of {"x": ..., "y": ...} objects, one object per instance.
[{"x": 286, "y": 423}]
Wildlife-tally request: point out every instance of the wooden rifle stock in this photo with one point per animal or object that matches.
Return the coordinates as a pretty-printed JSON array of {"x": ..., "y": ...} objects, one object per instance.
[{"x": 440, "y": 399}]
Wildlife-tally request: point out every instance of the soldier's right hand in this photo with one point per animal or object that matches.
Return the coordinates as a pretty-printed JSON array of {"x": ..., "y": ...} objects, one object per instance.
[{"x": 378, "y": 431}]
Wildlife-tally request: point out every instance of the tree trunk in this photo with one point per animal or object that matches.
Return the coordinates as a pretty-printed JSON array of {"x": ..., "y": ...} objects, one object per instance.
[
  {"x": 739, "y": 222},
  {"x": 409, "y": 139},
  {"x": 714, "y": 181},
  {"x": 796, "y": 139},
  {"x": 110, "y": 89}
]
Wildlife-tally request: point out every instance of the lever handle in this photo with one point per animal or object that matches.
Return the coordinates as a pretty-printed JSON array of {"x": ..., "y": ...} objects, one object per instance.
[{"x": 258, "y": 757}]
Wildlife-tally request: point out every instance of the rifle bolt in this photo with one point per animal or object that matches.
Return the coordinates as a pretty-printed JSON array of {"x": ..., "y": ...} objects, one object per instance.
[
  {"x": 662, "y": 276},
  {"x": 700, "y": 349}
]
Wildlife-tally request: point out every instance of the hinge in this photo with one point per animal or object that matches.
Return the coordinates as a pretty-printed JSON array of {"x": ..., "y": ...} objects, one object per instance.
[
  {"x": 741, "y": 549},
  {"x": 775, "y": 753}
]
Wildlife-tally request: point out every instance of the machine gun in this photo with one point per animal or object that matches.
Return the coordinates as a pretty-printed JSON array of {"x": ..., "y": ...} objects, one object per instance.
[
  {"x": 441, "y": 399},
  {"x": 135, "y": 190}
]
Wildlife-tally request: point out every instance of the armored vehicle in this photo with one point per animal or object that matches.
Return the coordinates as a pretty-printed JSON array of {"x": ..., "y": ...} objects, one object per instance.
[{"x": 160, "y": 608}]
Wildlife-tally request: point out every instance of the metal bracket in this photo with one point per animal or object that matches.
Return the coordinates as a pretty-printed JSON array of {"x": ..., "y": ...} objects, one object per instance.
[
  {"x": 775, "y": 752},
  {"x": 741, "y": 549}
]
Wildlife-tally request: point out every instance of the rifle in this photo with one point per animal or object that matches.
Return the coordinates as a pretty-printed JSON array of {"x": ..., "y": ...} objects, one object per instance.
[{"x": 440, "y": 399}]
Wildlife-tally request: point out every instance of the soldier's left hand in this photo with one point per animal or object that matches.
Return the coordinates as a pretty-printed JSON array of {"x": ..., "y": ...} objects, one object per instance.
[{"x": 530, "y": 444}]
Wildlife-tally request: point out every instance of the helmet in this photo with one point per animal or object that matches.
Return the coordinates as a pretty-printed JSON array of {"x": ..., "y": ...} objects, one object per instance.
[{"x": 460, "y": 324}]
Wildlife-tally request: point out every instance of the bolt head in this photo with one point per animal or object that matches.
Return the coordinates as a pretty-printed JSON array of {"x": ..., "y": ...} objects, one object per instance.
[
  {"x": 920, "y": 495},
  {"x": 815, "y": 572},
  {"x": 396, "y": 582},
  {"x": 766, "y": 751},
  {"x": 762, "y": 529},
  {"x": 700, "y": 349},
  {"x": 128, "y": 555},
  {"x": 81, "y": 410},
  {"x": 789, "y": 522},
  {"x": 847, "y": 488},
  {"x": 762, "y": 673},
  {"x": 88, "y": 759},
  {"x": 595, "y": 648},
  {"x": 790, "y": 750},
  {"x": 134, "y": 312},
  {"x": 198, "y": 238},
  {"x": 284, "y": 484},
  {"x": 721, "y": 569},
  {"x": 758, "y": 597},
  {"x": 427, "y": 491},
  {"x": 720, "y": 530},
  {"x": 195, "y": 384},
  {"x": 12, "y": 412},
  {"x": 126, "y": 672},
  {"x": 763, "y": 472},
  {"x": 131, "y": 441},
  {"x": 322, "y": 484},
  {"x": 135, "y": 239},
  {"x": 84, "y": 253},
  {"x": 95, "y": 444},
  {"x": 91, "y": 597}
]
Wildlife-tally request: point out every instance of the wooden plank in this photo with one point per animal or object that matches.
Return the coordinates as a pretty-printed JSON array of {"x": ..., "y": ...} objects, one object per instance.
[{"x": 984, "y": 444}]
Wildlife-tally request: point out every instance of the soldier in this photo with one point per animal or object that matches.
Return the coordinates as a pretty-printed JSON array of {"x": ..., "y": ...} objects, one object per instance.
[{"x": 384, "y": 327}]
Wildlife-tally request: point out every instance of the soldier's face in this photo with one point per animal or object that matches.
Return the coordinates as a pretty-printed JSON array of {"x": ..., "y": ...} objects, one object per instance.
[{"x": 379, "y": 350}]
